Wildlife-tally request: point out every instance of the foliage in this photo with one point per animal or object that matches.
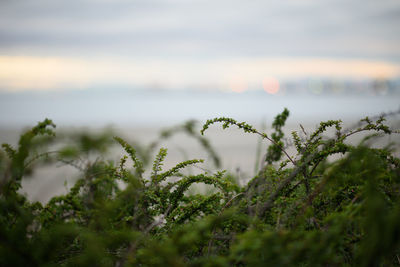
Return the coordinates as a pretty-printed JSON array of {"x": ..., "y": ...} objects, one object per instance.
[{"x": 303, "y": 210}]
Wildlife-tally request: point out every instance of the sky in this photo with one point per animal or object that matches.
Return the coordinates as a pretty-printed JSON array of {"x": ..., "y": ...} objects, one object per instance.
[{"x": 80, "y": 44}]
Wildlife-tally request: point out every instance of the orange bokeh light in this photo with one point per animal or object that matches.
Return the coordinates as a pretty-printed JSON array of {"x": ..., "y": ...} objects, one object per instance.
[{"x": 271, "y": 85}]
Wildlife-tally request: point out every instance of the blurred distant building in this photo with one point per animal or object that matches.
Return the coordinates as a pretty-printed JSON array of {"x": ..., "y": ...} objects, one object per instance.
[{"x": 342, "y": 87}]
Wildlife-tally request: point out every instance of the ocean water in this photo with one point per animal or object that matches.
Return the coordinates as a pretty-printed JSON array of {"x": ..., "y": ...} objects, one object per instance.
[{"x": 97, "y": 108}]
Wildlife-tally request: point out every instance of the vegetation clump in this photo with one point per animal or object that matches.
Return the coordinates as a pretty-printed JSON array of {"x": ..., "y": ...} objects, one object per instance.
[{"x": 301, "y": 209}]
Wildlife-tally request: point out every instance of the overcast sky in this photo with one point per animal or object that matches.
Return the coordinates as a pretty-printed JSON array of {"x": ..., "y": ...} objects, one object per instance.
[{"x": 181, "y": 34}]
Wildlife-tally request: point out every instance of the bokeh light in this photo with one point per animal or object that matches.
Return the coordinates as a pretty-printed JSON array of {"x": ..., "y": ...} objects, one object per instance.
[{"x": 270, "y": 85}]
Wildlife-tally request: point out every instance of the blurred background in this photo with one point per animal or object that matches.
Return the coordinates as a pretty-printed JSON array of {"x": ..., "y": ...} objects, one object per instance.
[
  {"x": 157, "y": 62},
  {"x": 139, "y": 66}
]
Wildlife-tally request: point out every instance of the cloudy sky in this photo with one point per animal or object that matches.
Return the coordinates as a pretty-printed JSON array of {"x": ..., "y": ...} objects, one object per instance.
[{"x": 47, "y": 44}]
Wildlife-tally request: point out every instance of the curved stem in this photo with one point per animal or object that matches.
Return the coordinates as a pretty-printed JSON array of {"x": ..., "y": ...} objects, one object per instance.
[{"x": 264, "y": 135}]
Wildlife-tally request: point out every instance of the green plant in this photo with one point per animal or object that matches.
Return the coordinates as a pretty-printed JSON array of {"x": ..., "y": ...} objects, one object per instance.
[{"x": 305, "y": 209}]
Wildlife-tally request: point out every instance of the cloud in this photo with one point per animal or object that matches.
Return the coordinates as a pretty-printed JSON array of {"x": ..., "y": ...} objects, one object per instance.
[{"x": 201, "y": 29}]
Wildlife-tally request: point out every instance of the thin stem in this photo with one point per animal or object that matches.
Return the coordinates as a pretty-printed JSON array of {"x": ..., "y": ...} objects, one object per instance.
[{"x": 264, "y": 135}]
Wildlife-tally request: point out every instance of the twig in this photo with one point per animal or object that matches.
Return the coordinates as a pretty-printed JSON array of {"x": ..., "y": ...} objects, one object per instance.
[
  {"x": 264, "y": 135},
  {"x": 268, "y": 204},
  {"x": 304, "y": 131}
]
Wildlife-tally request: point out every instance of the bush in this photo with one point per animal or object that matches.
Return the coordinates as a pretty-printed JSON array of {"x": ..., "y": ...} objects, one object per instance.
[{"x": 299, "y": 210}]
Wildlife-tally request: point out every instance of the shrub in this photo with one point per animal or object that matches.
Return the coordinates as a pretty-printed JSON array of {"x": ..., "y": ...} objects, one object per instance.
[{"x": 300, "y": 210}]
